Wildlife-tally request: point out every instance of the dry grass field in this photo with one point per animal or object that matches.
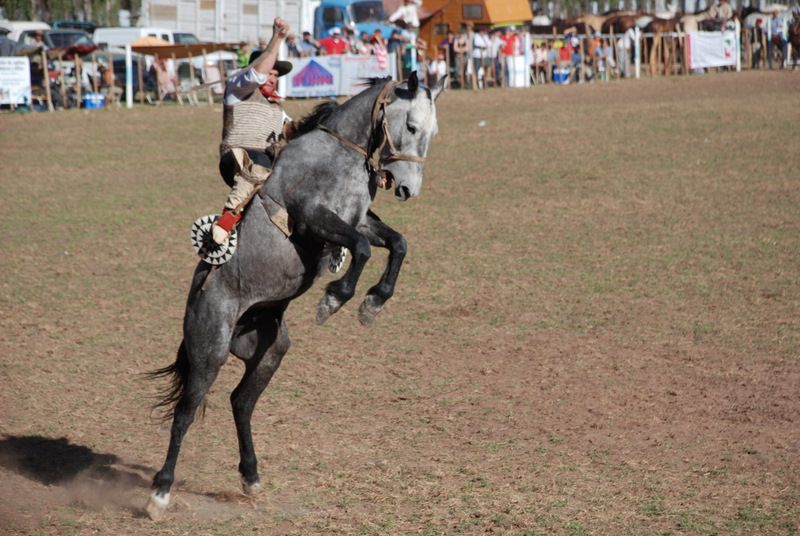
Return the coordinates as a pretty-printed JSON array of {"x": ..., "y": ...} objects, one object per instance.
[{"x": 596, "y": 331}]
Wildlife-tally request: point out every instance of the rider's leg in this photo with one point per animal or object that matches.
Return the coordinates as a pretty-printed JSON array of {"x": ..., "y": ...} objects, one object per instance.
[{"x": 245, "y": 170}]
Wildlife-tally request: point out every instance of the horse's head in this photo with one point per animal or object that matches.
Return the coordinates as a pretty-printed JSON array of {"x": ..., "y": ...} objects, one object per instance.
[{"x": 410, "y": 123}]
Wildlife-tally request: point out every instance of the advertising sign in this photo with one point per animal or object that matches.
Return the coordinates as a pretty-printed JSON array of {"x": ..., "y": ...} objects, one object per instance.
[
  {"x": 330, "y": 76},
  {"x": 15, "y": 80},
  {"x": 315, "y": 77},
  {"x": 711, "y": 49}
]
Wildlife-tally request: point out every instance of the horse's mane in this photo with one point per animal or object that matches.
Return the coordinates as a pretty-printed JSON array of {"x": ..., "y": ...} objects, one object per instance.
[
  {"x": 319, "y": 114},
  {"x": 323, "y": 111}
]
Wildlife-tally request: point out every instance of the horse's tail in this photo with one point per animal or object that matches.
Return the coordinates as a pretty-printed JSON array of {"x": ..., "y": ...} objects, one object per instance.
[{"x": 178, "y": 373}]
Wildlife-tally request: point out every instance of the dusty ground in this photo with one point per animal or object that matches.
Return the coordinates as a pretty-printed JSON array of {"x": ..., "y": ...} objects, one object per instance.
[{"x": 596, "y": 330}]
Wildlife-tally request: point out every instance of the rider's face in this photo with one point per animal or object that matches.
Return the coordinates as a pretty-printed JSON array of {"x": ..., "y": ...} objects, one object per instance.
[{"x": 272, "y": 81}]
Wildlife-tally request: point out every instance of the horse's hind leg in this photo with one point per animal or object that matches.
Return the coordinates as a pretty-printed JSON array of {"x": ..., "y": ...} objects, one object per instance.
[
  {"x": 194, "y": 371},
  {"x": 381, "y": 235},
  {"x": 262, "y": 351}
]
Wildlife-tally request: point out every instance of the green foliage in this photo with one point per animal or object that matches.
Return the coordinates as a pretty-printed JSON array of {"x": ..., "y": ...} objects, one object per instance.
[{"x": 101, "y": 12}]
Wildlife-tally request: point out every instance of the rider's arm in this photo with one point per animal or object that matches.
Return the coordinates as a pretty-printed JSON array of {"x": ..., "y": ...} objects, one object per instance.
[{"x": 264, "y": 63}]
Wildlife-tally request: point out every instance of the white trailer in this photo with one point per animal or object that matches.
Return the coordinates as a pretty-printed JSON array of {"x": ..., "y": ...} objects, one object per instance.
[{"x": 228, "y": 21}]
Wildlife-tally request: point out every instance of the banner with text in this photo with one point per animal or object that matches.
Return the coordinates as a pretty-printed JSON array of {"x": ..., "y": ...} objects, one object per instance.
[
  {"x": 331, "y": 76},
  {"x": 15, "y": 80},
  {"x": 711, "y": 49}
]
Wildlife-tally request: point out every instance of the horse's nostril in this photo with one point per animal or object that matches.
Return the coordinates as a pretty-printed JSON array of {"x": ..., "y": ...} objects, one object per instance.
[{"x": 403, "y": 192}]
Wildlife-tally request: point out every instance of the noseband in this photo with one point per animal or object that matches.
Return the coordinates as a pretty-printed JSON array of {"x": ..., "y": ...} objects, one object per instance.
[{"x": 379, "y": 106}]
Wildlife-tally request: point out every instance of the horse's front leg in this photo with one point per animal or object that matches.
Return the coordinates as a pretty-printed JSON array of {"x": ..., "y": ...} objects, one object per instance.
[
  {"x": 326, "y": 225},
  {"x": 381, "y": 235}
]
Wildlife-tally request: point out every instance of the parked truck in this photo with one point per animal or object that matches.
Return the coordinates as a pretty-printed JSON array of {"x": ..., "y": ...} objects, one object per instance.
[{"x": 361, "y": 15}]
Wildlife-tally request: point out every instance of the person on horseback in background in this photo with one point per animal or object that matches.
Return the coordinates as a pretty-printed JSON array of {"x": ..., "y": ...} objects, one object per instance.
[{"x": 253, "y": 124}]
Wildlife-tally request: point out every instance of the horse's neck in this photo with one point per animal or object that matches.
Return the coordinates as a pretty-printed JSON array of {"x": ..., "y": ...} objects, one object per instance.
[{"x": 354, "y": 119}]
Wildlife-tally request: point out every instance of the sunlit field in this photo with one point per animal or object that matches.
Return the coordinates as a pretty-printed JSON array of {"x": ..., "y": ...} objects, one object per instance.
[{"x": 596, "y": 329}]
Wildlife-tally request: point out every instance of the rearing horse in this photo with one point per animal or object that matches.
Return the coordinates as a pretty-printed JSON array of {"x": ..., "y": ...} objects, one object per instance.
[{"x": 326, "y": 180}]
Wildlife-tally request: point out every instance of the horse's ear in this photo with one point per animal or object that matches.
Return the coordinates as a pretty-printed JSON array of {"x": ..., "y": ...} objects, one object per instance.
[
  {"x": 438, "y": 87},
  {"x": 413, "y": 82}
]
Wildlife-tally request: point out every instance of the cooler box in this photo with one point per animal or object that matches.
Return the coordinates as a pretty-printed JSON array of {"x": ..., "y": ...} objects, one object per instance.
[
  {"x": 561, "y": 76},
  {"x": 94, "y": 101}
]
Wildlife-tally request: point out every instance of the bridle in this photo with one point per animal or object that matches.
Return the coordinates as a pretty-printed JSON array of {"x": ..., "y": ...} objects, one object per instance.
[{"x": 383, "y": 100}]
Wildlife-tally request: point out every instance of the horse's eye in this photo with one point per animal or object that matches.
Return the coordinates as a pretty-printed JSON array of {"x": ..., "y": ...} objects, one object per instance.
[{"x": 411, "y": 129}]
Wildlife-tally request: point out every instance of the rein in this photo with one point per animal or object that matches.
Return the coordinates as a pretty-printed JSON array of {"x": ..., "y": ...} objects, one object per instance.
[{"x": 394, "y": 155}]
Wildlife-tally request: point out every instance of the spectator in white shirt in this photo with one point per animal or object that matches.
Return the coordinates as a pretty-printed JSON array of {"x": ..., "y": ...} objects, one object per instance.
[{"x": 410, "y": 17}]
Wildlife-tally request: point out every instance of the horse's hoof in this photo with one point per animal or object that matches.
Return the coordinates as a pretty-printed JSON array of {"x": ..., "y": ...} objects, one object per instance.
[
  {"x": 326, "y": 307},
  {"x": 251, "y": 488},
  {"x": 369, "y": 309},
  {"x": 157, "y": 506}
]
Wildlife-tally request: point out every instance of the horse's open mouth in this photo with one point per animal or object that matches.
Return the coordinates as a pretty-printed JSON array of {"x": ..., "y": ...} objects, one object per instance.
[{"x": 386, "y": 179}]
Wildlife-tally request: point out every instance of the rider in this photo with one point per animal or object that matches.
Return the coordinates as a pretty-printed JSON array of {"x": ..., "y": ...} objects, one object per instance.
[
  {"x": 253, "y": 122},
  {"x": 721, "y": 13}
]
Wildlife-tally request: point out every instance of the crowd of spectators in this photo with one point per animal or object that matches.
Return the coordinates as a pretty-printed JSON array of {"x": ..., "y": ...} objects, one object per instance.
[{"x": 475, "y": 57}]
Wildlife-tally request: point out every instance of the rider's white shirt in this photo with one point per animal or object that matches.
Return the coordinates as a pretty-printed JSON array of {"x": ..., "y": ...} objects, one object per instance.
[{"x": 242, "y": 84}]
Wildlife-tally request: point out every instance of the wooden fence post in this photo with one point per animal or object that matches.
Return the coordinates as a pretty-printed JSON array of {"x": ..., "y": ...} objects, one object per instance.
[
  {"x": 78, "y": 79},
  {"x": 63, "y": 88},
  {"x": 48, "y": 91},
  {"x": 141, "y": 78}
]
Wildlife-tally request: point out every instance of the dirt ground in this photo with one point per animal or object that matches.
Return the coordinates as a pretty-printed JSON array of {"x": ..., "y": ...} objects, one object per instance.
[{"x": 596, "y": 329}]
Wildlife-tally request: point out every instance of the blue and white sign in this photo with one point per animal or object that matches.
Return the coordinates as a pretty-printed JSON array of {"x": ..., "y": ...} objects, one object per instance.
[
  {"x": 331, "y": 76},
  {"x": 315, "y": 77},
  {"x": 15, "y": 81}
]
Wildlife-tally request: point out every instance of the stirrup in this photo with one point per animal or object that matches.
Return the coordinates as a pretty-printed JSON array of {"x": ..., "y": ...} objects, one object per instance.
[
  {"x": 338, "y": 255},
  {"x": 205, "y": 247}
]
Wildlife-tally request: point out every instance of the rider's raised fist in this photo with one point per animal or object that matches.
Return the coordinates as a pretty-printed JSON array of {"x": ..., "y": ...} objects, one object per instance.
[{"x": 280, "y": 27}]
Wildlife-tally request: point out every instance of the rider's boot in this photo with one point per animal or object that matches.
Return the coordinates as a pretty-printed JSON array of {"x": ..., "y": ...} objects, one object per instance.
[{"x": 248, "y": 180}]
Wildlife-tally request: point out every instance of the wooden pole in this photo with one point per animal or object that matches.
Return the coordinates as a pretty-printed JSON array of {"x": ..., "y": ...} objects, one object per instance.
[
  {"x": 112, "y": 80},
  {"x": 673, "y": 53},
  {"x": 78, "y": 79},
  {"x": 157, "y": 65},
  {"x": 177, "y": 82},
  {"x": 654, "y": 54},
  {"x": 223, "y": 80},
  {"x": 191, "y": 72},
  {"x": 474, "y": 78},
  {"x": 94, "y": 71},
  {"x": 616, "y": 54},
  {"x": 141, "y": 78},
  {"x": 47, "y": 89},
  {"x": 205, "y": 76},
  {"x": 646, "y": 55},
  {"x": 63, "y": 88},
  {"x": 747, "y": 51},
  {"x": 399, "y": 61},
  {"x": 685, "y": 66}
]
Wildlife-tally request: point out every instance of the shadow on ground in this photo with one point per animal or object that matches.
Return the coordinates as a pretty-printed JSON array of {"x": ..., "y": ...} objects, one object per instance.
[{"x": 57, "y": 461}]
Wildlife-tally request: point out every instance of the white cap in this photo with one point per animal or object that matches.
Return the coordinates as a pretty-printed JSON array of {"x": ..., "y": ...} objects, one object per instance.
[
  {"x": 335, "y": 30},
  {"x": 575, "y": 41}
]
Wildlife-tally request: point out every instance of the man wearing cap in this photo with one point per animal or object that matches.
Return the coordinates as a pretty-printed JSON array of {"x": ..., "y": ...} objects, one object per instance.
[
  {"x": 334, "y": 44},
  {"x": 253, "y": 121}
]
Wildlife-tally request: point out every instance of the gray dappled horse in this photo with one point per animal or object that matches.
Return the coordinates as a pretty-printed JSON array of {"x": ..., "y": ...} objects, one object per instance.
[{"x": 326, "y": 178}]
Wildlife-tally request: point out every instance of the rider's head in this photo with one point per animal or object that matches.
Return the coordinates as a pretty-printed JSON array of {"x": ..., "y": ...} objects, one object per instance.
[{"x": 269, "y": 88}]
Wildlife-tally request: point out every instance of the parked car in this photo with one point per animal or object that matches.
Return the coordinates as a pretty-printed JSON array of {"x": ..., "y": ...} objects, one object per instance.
[
  {"x": 85, "y": 26},
  {"x": 13, "y": 28}
]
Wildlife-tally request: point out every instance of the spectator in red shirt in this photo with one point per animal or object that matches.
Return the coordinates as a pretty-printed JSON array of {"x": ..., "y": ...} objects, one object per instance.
[
  {"x": 334, "y": 44},
  {"x": 510, "y": 42}
]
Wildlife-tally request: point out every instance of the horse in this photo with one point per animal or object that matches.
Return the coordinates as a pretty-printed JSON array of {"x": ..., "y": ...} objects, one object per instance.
[
  {"x": 323, "y": 182},
  {"x": 620, "y": 23}
]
